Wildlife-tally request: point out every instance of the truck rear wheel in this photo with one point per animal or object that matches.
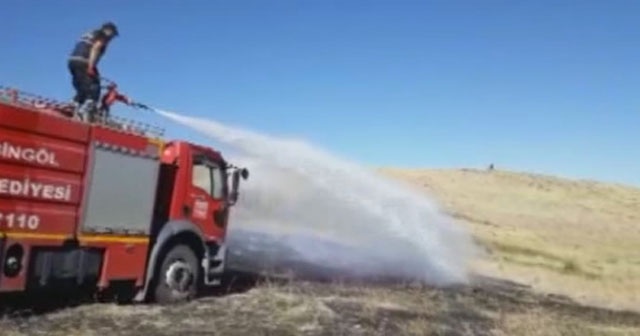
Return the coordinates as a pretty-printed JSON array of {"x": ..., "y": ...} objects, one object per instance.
[{"x": 178, "y": 276}]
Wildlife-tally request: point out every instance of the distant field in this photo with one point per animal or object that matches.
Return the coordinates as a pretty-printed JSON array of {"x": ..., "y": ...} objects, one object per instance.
[{"x": 578, "y": 238}]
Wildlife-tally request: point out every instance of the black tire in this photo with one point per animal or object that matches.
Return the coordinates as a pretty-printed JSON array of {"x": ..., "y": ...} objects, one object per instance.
[{"x": 179, "y": 258}]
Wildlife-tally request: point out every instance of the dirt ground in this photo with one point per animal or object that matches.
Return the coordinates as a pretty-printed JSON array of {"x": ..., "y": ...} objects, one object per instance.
[{"x": 488, "y": 307}]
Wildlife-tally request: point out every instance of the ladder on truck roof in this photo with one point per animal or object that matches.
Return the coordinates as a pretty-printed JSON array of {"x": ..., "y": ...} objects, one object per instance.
[{"x": 36, "y": 103}]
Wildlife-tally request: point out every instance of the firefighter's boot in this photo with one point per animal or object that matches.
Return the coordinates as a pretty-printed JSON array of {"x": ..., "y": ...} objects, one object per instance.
[
  {"x": 75, "y": 106},
  {"x": 89, "y": 111}
]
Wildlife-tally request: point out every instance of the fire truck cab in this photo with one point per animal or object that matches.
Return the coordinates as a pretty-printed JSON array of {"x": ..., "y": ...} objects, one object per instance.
[{"x": 108, "y": 207}]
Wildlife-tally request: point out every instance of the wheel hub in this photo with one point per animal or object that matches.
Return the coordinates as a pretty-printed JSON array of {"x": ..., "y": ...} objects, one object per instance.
[{"x": 179, "y": 276}]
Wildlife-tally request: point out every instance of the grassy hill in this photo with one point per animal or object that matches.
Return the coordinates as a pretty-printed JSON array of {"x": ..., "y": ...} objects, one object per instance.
[
  {"x": 575, "y": 238},
  {"x": 578, "y": 238}
]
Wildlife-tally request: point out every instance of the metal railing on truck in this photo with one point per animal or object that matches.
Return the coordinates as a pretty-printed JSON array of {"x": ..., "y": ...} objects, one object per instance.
[{"x": 36, "y": 103}]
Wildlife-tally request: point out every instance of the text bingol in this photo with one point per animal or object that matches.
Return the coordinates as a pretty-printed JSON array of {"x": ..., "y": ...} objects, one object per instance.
[{"x": 41, "y": 156}]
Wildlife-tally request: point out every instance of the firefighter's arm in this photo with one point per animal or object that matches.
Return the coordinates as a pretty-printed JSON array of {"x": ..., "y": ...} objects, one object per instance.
[
  {"x": 93, "y": 54},
  {"x": 124, "y": 99}
]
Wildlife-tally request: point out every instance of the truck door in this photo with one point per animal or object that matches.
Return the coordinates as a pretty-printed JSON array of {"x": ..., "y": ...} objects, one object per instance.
[{"x": 207, "y": 196}]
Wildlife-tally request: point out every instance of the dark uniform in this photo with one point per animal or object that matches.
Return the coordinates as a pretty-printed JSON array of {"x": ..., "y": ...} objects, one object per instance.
[{"x": 87, "y": 86}]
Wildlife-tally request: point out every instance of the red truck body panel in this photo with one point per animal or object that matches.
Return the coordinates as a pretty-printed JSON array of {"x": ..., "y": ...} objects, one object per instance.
[
  {"x": 37, "y": 123},
  {"x": 64, "y": 182},
  {"x": 95, "y": 203},
  {"x": 202, "y": 204},
  {"x": 44, "y": 169}
]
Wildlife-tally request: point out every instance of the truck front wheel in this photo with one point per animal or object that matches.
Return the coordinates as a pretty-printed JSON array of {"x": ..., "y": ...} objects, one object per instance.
[{"x": 178, "y": 276}]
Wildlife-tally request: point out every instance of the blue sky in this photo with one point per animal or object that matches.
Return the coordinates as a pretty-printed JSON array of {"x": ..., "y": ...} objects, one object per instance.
[{"x": 542, "y": 86}]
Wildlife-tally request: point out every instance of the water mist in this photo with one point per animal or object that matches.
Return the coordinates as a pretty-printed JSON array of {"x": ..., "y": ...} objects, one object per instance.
[{"x": 304, "y": 207}]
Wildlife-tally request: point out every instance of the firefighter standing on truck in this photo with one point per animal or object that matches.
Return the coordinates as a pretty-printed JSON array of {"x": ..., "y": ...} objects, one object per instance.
[{"x": 83, "y": 63}]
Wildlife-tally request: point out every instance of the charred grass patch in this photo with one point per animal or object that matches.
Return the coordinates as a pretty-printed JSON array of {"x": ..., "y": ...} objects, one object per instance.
[{"x": 290, "y": 307}]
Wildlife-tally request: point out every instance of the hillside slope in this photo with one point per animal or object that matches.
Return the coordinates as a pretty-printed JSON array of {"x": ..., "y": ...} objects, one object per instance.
[{"x": 577, "y": 238}]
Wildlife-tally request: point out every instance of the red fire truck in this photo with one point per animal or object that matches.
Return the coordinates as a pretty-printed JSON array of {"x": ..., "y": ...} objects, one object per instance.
[{"x": 108, "y": 206}]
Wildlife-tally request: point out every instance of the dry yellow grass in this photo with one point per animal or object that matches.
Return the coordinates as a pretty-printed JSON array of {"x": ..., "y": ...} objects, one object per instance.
[{"x": 577, "y": 238}]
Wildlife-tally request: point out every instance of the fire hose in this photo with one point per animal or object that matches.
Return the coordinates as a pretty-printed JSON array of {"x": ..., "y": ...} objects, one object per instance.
[{"x": 112, "y": 95}]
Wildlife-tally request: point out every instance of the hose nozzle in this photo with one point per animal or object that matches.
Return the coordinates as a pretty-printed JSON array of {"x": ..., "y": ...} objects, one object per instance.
[{"x": 139, "y": 105}]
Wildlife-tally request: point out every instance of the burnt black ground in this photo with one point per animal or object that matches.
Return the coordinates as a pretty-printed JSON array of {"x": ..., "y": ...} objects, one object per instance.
[
  {"x": 320, "y": 301},
  {"x": 253, "y": 306}
]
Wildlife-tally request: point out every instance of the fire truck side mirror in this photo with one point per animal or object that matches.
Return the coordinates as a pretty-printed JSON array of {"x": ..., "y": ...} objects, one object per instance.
[
  {"x": 235, "y": 183},
  {"x": 245, "y": 173}
]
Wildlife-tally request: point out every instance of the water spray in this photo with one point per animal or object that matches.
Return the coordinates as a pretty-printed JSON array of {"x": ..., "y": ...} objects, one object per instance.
[
  {"x": 312, "y": 212},
  {"x": 308, "y": 210}
]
